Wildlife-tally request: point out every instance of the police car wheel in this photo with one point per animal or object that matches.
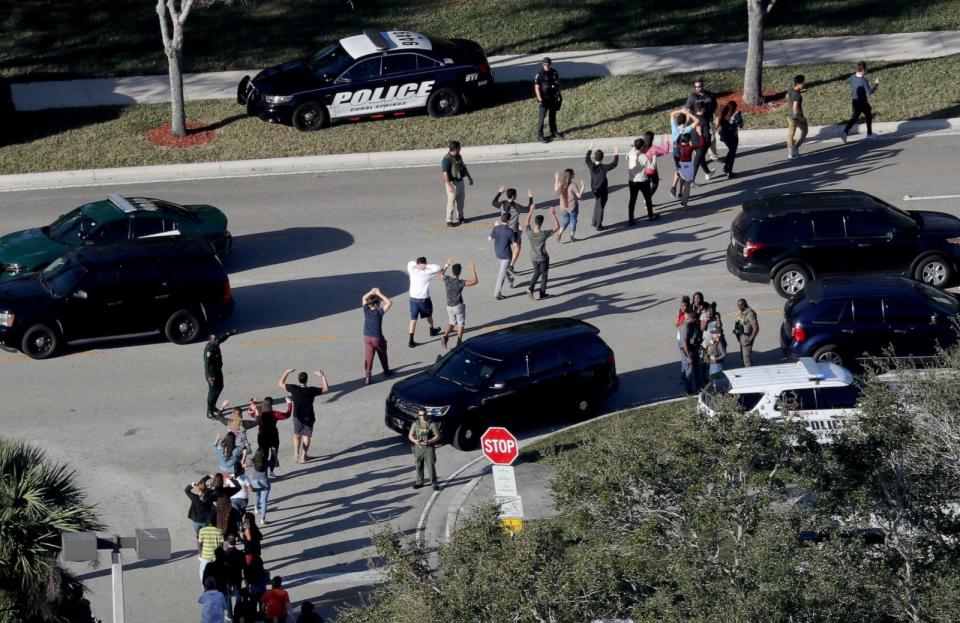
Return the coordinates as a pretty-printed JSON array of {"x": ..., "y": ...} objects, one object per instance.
[
  {"x": 444, "y": 103},
  {"x": 309, "y": 116},
  {"x": 39, "y": 342},
  {"x": 182, "y": 327},
  {"x": 467, "y": 436}
]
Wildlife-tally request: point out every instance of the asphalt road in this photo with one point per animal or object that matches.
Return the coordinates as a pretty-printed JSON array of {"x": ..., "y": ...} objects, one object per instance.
[{"x": 129, "y": 417}]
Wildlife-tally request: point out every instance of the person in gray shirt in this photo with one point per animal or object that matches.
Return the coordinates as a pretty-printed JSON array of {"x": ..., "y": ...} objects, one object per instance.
[
  {"x": 538, "y": 250},
  {"x": 860, "y": 87}
]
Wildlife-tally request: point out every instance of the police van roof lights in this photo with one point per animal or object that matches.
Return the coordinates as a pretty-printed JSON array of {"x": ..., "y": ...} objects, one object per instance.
[
  {"x": 376, "y": 39},
  {"x": 121, "y": 203}
]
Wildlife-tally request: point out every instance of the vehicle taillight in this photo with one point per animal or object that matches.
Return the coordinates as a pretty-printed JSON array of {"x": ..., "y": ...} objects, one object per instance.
[
  {"x": 799, "y": 334},
  {"x": 483, "y": 68},
  {"x": 612, "y": 359},
  {"x": 227, "y": 293},
  {"x": 750, "y": 247}
]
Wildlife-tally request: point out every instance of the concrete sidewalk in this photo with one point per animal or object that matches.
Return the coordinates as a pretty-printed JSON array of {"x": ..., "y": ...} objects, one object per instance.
[
  {"x": 521, "y": 67},
  {"x": 885, "y": 131}
]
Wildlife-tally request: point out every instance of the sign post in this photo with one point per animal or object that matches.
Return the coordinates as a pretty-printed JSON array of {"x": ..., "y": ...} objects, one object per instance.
[{"x": 500, "y": 446}]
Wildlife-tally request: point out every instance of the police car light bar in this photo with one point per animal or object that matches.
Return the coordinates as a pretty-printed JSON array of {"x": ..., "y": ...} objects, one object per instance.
[
  {"x": 121, "y": 202},
  {"x": 811, "y": 368},
  {"x": 376, "y": 39}
]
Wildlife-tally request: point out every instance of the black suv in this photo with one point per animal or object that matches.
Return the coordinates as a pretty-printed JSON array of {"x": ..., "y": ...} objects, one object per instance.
[
  {"x": 794, "y": 237},
  {"x": 841, "y": 319},
  {"x": 510, "y": 376},
  {"x": 168, "y": 285}
]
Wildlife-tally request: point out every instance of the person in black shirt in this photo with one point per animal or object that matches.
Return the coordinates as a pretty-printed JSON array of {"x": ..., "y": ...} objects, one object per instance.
[
  {"x": 456, "y": 309},
  {"x": 546, "y": 86},
  {"x": 375, "y": 304},
  {"x": 702, "y": 104},
  {"x": 598, "y": 181},
  {"x": 213, "y": 370},
  {"x": 303, "y": 396}
]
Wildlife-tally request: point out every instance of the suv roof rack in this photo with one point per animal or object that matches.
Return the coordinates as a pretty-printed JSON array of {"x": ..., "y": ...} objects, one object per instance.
[
  {"x": 121, "y": 202},
  {"x": 376, "y": 38}
]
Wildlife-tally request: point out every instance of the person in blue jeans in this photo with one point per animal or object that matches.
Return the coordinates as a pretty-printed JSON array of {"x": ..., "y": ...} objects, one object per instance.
[
  {"x": 228, "y": 453},
  {"x": 569, "y": 194},
  {"x": 259, "y": 467},
  {"x": 713, "y": 352},
  {"x": 690, "y": 339}
]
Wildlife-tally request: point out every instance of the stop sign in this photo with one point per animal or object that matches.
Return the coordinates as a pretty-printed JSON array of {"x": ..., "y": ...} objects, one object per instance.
[{"x": 499, "y": 445}]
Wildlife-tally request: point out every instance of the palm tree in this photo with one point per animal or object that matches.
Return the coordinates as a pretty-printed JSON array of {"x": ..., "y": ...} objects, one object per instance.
[{"x": 39, "y": 500}]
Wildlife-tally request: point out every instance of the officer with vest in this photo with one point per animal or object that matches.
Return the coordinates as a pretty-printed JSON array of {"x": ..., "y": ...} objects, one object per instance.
[
  {"x": 213, "y": 370},
  {"x": 546, "y": 86},
  {"x": 425, "y": 436},
  {"x": 746, "y": 329}
]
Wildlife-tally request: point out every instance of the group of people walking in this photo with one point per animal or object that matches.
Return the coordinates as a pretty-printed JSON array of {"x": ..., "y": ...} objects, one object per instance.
[{"x": 702, "y": 342}]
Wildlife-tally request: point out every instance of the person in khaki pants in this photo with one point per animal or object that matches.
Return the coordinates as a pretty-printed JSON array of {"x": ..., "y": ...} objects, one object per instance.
[
  {"x": 454, "y": 170},
  {"x": 795, "y": 118}
]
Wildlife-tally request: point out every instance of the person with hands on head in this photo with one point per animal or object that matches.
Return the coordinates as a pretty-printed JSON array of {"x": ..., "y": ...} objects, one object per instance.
[
  {"x": 304, "y": 417},
  {"x": 456, "y": 308},
  {"x": 425, "y": 435},
  {"x": 229, "y": 453},
  {"x": 538, "y": 250},
  {"x": 421, "y": 305},
  {"x": 268, "y": 436},
  {"x": 213, "y": 370},
  {"x": 375, "y": 304},
  {"x": 598, "y": 181}
]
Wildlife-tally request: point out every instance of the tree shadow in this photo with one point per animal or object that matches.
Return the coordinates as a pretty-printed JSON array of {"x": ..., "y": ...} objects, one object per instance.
[
  {"x": 285, "y": 245},
  {"x": 32, "y": 125}
]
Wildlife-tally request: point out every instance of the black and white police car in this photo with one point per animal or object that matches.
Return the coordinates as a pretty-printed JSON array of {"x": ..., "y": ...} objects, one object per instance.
[{"x": 373, "y": 75}]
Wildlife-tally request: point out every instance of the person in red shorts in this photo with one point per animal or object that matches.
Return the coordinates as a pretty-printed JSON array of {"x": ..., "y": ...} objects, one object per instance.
[{"x": 275, "y": 602}]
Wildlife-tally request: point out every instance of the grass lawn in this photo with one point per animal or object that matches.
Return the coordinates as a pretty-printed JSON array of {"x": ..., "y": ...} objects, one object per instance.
[
  {"x": 50, "y": 38},
  {"x": 618, "y": 106}
]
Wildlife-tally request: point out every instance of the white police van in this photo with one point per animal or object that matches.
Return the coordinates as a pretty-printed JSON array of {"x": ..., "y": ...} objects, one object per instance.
[
  {"x": 823, "y": 395},
  {"x": 371, "y": 76}
]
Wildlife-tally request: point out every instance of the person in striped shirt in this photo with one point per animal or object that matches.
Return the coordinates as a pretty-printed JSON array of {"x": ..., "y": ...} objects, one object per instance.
[{"x": 208, "y": 540}]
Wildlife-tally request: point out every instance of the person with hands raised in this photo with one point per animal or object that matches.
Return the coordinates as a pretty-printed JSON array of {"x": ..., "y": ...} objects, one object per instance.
[
  {"x": 598, "y": 180},
  {"x": 304, "y": 417}
]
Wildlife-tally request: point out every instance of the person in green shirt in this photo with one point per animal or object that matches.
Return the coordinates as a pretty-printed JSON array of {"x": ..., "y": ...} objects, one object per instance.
[
  {"x": 795, "y": 117},
  {"x": 746, "y": 329},
  {"x": 454, "y": 171},
  {"x": 425, "y": 436}
]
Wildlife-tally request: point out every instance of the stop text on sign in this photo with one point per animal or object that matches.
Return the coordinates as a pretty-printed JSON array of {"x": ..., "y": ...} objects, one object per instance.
[
  {"x": 493, "y": 446},
  {"x": 499, "y": 445}
]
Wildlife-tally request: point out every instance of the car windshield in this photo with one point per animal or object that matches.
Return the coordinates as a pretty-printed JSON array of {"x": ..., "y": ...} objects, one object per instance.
[
  {"x": 67, "y": 228},
  {"x": 902, "y": 218},
  {"x": 465, "y": 368},
  {"x": 942, "y": 301},
  {"x": 329, "y": 62}
]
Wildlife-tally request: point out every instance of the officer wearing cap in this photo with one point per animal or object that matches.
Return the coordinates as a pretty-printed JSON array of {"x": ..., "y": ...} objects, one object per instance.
[
  {"x": 546, "y": 86},
  {"x": 425, "y": 436}
]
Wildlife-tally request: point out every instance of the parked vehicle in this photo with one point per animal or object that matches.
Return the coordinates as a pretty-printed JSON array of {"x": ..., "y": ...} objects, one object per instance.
[
  {"x": 115, "y": 219},
  {"x": 372, "y": 75},
  {"x": 173, "y": 285},
  {"x": 513, "y": 376},
  {"x": 822, "y": 395},
  {"x": 843, "y": 319},
  {"x": 795, "y": 237}
]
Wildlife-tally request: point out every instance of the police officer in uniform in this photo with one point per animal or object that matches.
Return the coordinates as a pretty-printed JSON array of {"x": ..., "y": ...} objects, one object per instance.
[
  {"x": 746, "y": 329},
  {"x": 425, "y": 436},
  {"x": 213, "y": 370},
  {"x": 546, "y": 86}
]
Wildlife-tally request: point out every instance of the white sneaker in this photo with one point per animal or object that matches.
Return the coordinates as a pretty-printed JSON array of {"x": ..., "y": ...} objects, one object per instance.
[
  {"x": 706, "y": 176},
  {"x": 790, "y": 154},
  {"x": 694, "y": 185}
]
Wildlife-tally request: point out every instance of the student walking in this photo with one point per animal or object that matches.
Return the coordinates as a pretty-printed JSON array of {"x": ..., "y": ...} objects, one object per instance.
[
  {"x": 702, "y": 104},
  {"x": 213, "y": 605},
  {"x": 680, "y": 123},
  {"x": 375, "y": 304},
  {"x": 454, "y": 171},
  {"x": 690, "y": 341},
  {"x": 213, "y": 370},
  {"x": 456, "y": 308},
  {"x": 714, "y": 352},
  {"x": 505, "y": 249},
  {"x": 209, "y": 540},
  {"x": 538, "y": 250},
  {"x": 424, "y": 436},
  {"x": 546, "y": 88},
  {"x": 252, "y": 538},
  {"x": 201, "y": 505},
  {"x": 257, "y": 471},
  {"x": 228, "y": 453},
  {"x": 304, "y": 417},
  {"x": 730, "y": 121},
  {"x": 268, "y": 436},
  {"x": 569, "y": 193},
  {"x": 654, "y": 152},
  {"x": 687, "y": 151},
  {"x": 638, "y": 182},
  {"x": 860, "y": 88},
  {"x": 598, "y": 181},
  {"x": 514, "y": 210},
  {"x": 275, "y": 602},
  {"x": 796, "y": 120},
  {"x": 420, "y": 304}
]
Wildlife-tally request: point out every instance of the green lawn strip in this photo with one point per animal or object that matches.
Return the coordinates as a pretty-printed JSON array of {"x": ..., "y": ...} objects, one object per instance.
[
  {"x": 94, "y": 38},
  {"x": 617, "y": 106}
]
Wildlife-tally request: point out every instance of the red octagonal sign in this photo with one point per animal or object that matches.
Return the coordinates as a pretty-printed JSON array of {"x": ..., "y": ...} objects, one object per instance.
[{"x": 499, "y": 445}]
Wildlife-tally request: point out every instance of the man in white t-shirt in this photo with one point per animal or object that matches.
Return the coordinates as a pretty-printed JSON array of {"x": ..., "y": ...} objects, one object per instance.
[{"x": 421, "y": 306}]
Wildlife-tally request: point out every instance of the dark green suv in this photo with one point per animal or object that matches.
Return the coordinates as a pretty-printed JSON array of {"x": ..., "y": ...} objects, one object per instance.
[{"x": 112, "y": 220}]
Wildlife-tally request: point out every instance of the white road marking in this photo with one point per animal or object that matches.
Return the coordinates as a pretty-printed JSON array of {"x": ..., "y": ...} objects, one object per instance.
[{"x": 929, "y": 197}]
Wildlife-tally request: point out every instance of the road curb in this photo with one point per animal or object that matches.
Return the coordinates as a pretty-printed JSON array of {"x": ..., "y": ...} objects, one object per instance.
[
  {"x": 306, "y": 165},
  {"x": 460, "y": 498}
]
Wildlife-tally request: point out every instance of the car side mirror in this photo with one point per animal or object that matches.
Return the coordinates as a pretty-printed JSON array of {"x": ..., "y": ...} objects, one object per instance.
[{"x": 79, "y": 294}]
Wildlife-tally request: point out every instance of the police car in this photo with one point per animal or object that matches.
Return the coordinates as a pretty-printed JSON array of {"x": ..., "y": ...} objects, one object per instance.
[
  {"x": 373, "y": 75},
  {"x": 822, "y": 395}
]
